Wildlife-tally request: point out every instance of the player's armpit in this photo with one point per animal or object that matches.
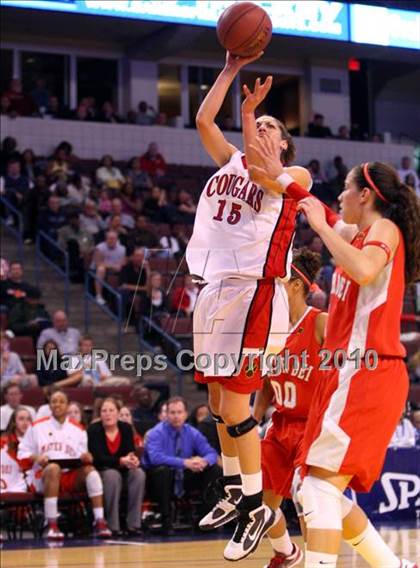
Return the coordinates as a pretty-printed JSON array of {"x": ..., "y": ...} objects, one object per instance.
[{"x": 321, "y": 326}]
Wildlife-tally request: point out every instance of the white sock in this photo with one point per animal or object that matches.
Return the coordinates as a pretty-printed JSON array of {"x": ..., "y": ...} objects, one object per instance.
[
  {"x": 230, "y": 465},
  {"x": 373, "y": 549},
  {"x": 50, "y": 508},
  {"x": 98, "y": 513},
  {"x": 320, "y": 560},
  {"x": 282, "y": 544},
  {"x": 251, "y": 483}
]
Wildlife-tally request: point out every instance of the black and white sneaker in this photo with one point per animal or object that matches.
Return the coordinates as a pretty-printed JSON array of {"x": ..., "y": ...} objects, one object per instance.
[
  {"x": 251, "y": 527},
  {"x": 225, "y": 509}
]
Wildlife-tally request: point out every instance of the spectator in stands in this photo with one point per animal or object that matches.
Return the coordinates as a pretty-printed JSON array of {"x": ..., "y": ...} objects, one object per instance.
[
  {"x": 68, "y": 152},
  {"x": 12, "y": 369},
  {"x": 140, "y": 179},
  {"x": 114, "y": 224},
  {"x": 13, "y": 289},
  {"x": 4, "y": 269},
  {"x": 28, "y": 166},
  {"x": 126, "y": 416},
  {"x": 198, "y": 414},
  {"x": 316, "y": 129},
  {"x": 145, "y": 413},
  {"x": 156, "y": 301},
  {"x": 142, "y": 236},
  {"x": 13, "y": 395},
  {"x": 131, "y": 204},
  {"x": 162, "y": 412},
  {"x": 337, "y": 177},
  {"x": 320, "y": 188},
  {"x": 405, "y": 434},
  {"x": 75, "y": 412},
  {"x": 117, "y": 209},
  {"x": 81, "y": 113},
  {"x": 415, "y": 420},
  {"x": 157, "y": 207},
  {"x": 67, "y": 338},
  {"x": 207, "y": 427},
  {"x": 109, "y": 257},
  {"x": 36, "y": 200},
  {"x": 52, "y": 218},
  {"x": 162, "y": 119},
  {"x": 176, "y": 242},
  {"x": 108, "y": 114},
  {"x": 40, "y": 95},
  {"x": 186, "y": 208},
  {"x": 21, "y": 103},
  {"x": 134, "y": 280},
  {"x": 414, "y": 368},
  {"x": 29, "y": 317},
  {"x": 105, "y": 202},
  {"x": 16, "y": 185},
  {"x": 146, "y": 114},
  {"x": 377, "y": 138},
  {"x": 78, "y": 188},
  {"x": 131, "y": 117},
  {"x": 111, "y": 442},
  {"x": 79, "y": 244},
  {"x": 8, "y": 153},
  {"x": 185, "y": 297},
  {"x": 90, "y": 220},
  {"x": 343, "y": 133},
  {"x": 12, "y": 476},
  {"x": 109, "y": 175},
  {"x": 52, "y": 369},
  {"x": 153, "y": 162},
  {"x": 178, "y": 459},
  {"x": 66, "y": 440},
  {"x": 407, "y": 169},
  {"x": 6, "y": 107},
  {"x": 95, "y": 371},
  {"x": 228, "y": 124},
  {"x": 55, "y": 109},
  {"x": 59, "y": 167}
]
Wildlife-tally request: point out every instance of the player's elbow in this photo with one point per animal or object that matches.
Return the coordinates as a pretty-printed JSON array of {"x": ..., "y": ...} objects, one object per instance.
[
  {"x": 201, "y": 120},
  {"x": 366, "y": 274}
]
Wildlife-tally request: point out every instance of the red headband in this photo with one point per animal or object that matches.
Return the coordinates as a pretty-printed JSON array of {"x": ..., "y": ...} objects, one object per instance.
[
  {"x": 304, "y": 278},
  {"x": 372, "y": 185}
]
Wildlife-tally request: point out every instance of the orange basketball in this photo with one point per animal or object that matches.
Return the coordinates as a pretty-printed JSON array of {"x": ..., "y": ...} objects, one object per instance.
[{"x": 244, "y": 29}]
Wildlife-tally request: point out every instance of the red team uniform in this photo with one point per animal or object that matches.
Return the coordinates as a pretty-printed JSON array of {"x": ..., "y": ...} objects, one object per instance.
[
  {"x": 356, "y": 410},
  {"x": 242, "y": 248},
  {"x": 293, "y": 390}
]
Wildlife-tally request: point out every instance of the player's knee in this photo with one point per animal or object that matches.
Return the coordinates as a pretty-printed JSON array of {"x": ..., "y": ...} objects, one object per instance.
[
  {"x": 346, "y": 506},
  {"x": 51, "y": 471},
  {"x": 321, "y": 503},
  {"x": 94, "y": 487},
  {"x": 242, "y": 428}
]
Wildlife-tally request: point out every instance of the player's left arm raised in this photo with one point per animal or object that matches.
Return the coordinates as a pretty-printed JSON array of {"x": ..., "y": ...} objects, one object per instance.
[{"x": 363, "y": 265}]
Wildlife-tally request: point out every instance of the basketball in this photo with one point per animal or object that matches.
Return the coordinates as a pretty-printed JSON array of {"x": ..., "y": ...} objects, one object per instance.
[{"x": 244, "y": 29}]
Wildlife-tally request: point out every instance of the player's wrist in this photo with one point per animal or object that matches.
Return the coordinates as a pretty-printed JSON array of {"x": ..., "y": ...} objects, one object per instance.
[{"x": 284, "y": 179}]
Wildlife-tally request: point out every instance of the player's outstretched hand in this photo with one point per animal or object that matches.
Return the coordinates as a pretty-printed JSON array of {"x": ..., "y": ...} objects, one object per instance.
[
  {"x": 266, "y": 150},
  {"x": 254, "y": 98},
  {"x": 235, "y": 62},
  {"x": 315, "y": 213}
]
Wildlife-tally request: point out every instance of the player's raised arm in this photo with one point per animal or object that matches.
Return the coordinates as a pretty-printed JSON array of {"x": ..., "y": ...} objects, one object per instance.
[
  {"x": 211, "y": 136},
  {"x": 249, "y": 126}
]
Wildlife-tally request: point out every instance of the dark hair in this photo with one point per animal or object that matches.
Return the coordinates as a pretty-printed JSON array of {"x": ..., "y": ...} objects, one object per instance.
[
  {"x": 12, "y": 441},
  {"x": 175, "y": 399},
  {"x": 308, "y": 263},
  {"x": 60, "y": 391},
  {"x": 83, "y": 419},
  {"x": 11, "y": 386},
  {"x": 402, "y": 207},
  {"x": 101, "y": 163}
]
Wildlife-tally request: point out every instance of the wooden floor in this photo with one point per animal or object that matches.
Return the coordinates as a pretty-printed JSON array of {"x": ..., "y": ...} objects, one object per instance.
[{"x": 194, "y": 554}]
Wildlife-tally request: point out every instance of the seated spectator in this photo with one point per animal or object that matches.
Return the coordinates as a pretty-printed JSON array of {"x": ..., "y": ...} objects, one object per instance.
[
  {"x": 16, "y": 185},
  {"x": 81, "y": 113},
  {"x": 316, "y": 129},
  {"x": 109, "y": 175},
  {"x": 343, "y": 133},
  {"x": 126, "y": 416},
  {"x": 79, "y": 244},
  {"x": 68, "y": 152},
  {"x": 6, "y": 107},
  {"x": 207, "y": 427},
  {"x": 114, "y": 223},
  {"x": 198, "y": 414},
  {"x": 162, "y": 412},
  {"x": 404, "y": 436},
  {"x": 40, "y": 95},
  {"x": 131, "y": 205},
  {"x": 145, "y": 115},
  {"x": 186, "y": 208},
  {"x": 8, "y": 153},
  {"x": 377, "y": 138},
  {"x": 67, "y": 338},
  {"x": 67, "y": 440},
  {"x": 90, "y": 220},
  {"x": 59, "y": 166},
  {"x": 13, "y": 290},
  {"x": 117, "y": 209},
  {"x": 105, "y": 202},
  {"x": 337, "y": 177},
  {"x": 95, "y": 371},
  {"x": 36, "y": 200},
  {"x": 141, "y": 180},
  {"x": 176, "y": 242},
  {"x": 155, "y": 302},
  {"x": 111, "y": 442},
  {"x": 55, "y": 109},
  {"x": 134, "y": 280},
  {"x": 407, "y": 169},
  {"x": 142, "y": 236},
  {"x": 161, "y": 119},
  {"x": 28, "y": 166},
  {"x": 153, "y": 162},
  {"x": 29, "y": 317},
  {"x": 51, "y": 220},
  {"x": 75, "y": 412},
  {"x": 320, "y": 187},
  {"x": 157, "y": 207},
  {"x": 184, "y": 298},
  {"x": 13, "y": 395},
  {"x": 52, "y": 369},
  {"x": 21, "y": 103},
  {"x": 108, "y": 114},
  {"x": 78, "y": 188},
  {"x": 109, "y": 257},
  {"x": 178, "y": 460},
  {"x": 145, "y": 413},
  {"x": 13, "y": 479},
  {"x": 12, "y": 370}
]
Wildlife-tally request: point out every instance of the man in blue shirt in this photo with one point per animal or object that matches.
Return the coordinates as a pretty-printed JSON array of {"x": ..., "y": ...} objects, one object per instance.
[{"x": 178, "y": 459}]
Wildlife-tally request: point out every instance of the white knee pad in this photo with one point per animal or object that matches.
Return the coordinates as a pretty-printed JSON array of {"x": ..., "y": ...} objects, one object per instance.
[
  {"x": 346, "y": 506},
  {"x": 94, "y": 485},
  {"x": 321, "y": 504}
]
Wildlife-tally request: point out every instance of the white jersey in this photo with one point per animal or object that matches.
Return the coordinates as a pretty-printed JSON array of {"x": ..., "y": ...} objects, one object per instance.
[
  {"x": 240, "y": 229},
  {"x": 57, "y": 441},
  {"x": 12, "y": 478}
]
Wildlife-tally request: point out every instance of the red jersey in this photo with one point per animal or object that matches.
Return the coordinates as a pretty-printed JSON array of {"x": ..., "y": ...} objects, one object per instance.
[
  {"x": 362, "y": 318},
  {"x": 294, "y": 388}
]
